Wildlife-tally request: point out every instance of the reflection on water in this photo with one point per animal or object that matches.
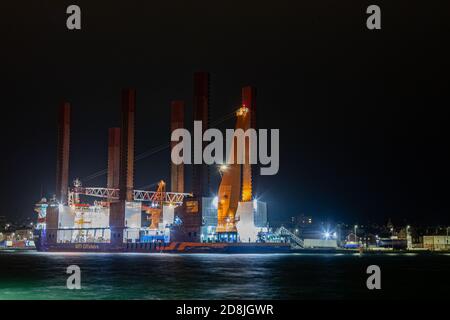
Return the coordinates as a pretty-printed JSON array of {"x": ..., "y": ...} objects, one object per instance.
[{"x": 33, "y": 275}]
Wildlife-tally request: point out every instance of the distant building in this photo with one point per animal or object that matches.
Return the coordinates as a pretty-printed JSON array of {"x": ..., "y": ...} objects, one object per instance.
[
  {"x": 436, "y": 243},
  {"x": 301, "y": 220},
  {"x": 393, "y": 243}
]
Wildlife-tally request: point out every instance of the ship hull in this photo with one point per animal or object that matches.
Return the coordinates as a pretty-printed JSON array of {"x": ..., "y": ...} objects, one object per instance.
[{"x": 173, "y": 247}]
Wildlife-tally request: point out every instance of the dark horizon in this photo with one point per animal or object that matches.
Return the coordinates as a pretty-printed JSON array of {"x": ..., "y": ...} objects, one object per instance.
[{"x": 361, "y": 113}]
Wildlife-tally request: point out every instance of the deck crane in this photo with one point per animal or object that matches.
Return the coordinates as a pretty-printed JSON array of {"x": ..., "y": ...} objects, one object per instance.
[{"x": 156, "y": 206}]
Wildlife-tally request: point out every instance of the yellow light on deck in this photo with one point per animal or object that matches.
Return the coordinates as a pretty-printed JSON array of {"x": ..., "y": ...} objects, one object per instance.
[{"x": 242, "y": 111}]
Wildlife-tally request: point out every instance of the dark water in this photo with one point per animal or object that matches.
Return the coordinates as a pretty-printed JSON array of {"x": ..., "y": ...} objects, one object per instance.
[{"x": 32, "y": 275}]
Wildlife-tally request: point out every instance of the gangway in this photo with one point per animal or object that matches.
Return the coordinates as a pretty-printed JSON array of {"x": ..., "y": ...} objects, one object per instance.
[
  {"x": 282, "y": 231},
  {"x": 139, "y": 195}
]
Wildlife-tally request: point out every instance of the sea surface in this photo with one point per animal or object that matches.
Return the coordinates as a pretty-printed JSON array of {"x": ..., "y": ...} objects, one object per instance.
[{"x": 33, "y": 275}]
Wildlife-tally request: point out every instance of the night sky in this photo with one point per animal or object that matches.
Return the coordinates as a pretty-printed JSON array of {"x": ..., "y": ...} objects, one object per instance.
[{"x": 363, "y": 127}]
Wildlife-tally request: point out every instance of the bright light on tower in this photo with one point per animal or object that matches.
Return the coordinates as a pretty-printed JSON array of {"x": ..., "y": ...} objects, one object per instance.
[{"x": 215, "y": 202}]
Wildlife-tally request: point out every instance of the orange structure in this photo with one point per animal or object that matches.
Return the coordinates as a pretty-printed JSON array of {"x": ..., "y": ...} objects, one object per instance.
[
  {"x": 126, "y": 167},
  {"x": 126, "y": 176},
  {"x": 62, "y": 162},
  {"x": 248, "y": 101},
  {"x": 176, "y": 122},
  {"x": 113, "y": 158},
  {"x": 230, "y": 186},
  {"x": 155, "y": 210},
  {"x": 200, "y": 173}
]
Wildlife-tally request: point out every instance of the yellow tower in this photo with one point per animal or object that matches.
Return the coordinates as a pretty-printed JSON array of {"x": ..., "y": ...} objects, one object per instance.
[
  {"x": 248, "y": 101},
  {"x": 230, "y": 186}
]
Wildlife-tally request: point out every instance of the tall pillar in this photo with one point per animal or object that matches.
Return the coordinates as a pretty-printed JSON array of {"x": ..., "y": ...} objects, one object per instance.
[
  {"x": 63, "y": 148},
  {"x": 200, "y": 174},
  {"x": 113, "y": 158},
  {"x": 126, "y": 169},
  {"x": 126, "y": 184},
  {"x": 248, "y": 101},
  {"x": 176, "y": 122}
]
